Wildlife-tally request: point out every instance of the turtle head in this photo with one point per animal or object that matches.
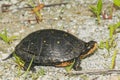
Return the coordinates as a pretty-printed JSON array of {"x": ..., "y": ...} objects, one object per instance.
[
  {"x": 90, "y": 47},
  {"x": 91, "y": 44}
]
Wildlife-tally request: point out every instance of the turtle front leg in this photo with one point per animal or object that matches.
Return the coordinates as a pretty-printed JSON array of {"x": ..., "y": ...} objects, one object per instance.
[{"x": 76, "y": 65}]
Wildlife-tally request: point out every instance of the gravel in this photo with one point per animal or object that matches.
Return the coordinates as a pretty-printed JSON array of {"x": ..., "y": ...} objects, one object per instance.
[{"x": 74, "y": 18}]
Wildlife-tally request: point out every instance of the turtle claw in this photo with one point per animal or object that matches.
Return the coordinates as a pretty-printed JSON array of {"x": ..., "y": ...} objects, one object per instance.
[{"x": 77, "y": 66}]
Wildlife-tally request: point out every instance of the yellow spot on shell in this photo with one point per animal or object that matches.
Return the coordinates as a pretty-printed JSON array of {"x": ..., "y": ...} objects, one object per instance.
[
  {"x": 65, "y": 35},
  {"x": 44, "y": 41},
  {"x": 58, "y": 42},
  {"x": 52, "y": 31}
]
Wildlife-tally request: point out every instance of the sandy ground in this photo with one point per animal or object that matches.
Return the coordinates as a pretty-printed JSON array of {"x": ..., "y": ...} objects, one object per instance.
[{"x": 75, "y": 18}]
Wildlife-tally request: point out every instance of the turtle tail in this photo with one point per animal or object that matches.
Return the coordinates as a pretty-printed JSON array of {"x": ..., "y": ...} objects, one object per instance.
[{"x": 10, "y": 56}]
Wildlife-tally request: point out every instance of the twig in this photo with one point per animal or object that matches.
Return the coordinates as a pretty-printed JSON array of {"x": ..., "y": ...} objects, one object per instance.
[
  {"x": 6, "y": 6},
  {"x": 57, "y": 4},
  {"x": 94, "y": 72},
  {"x": 28, "y": 20}
]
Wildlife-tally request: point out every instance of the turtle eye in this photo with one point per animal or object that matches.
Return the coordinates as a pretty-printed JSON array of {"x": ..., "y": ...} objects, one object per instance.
[{"x": 89, "y": 47}]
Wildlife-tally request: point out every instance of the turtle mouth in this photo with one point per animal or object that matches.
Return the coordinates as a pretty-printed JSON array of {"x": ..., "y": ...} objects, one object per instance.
[{"x": 89, "y": 52}]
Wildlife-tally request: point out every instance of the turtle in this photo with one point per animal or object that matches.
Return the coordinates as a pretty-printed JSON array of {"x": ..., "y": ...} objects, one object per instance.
[{"x": 52, "y": 47}]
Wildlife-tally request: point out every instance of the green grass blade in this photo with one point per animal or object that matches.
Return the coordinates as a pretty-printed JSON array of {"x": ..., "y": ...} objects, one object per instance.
[
  {"x": 30, "y": 63},
  {"x": 118, "y": 25},
  {"x": 41, "y": 72},
  {"x": 36, "y": 12},
  {"x": 111, "y": 31},
  {"x": 94, "y": 9},
  {"x": 99, "y": 6},
  {"x": 5, "y": 32},
  {"x": 29, "y": 67},
  {"x": 116, "y": 2},
  {"x": 18, "y": 60},
  {"x": 11, "y": 38},
  {"x": 113, "y": 60},
  {"x": 97, "y": 10},
  {"x": 4, "y": 36},
  {"x": 107, "y": 45},
  {"x": 68, "y": 68},
  {"x": 101, "y": 45}
]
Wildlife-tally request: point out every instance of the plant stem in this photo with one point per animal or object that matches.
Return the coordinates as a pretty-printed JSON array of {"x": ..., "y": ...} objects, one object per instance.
[{"x": 98, "y": 18}]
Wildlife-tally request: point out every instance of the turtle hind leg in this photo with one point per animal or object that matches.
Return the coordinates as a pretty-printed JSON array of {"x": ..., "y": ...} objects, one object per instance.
[
  {"x": 76, "y": 65},
  {"x": 26, "y": 66}
]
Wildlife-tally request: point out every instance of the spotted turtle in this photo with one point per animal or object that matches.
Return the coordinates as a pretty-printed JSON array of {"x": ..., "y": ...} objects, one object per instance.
[{"x": 51, "y": 47}]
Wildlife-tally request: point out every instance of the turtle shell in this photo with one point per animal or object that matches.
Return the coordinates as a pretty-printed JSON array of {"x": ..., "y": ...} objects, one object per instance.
[{"x": 50, "y": 46}]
